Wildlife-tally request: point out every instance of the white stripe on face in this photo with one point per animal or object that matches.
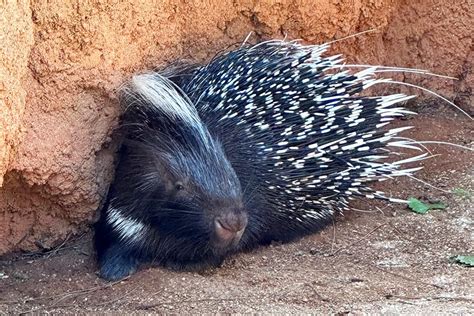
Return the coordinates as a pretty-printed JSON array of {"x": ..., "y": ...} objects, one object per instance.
[{"x": 130, "y": 230}]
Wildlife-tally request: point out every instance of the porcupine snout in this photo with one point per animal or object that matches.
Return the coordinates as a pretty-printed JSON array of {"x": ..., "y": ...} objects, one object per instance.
[{"x": 229, "y": 228}]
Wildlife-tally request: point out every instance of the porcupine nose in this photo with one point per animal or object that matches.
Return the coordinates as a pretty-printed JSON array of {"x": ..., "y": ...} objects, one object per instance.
[{"x": 229, "y": 228}]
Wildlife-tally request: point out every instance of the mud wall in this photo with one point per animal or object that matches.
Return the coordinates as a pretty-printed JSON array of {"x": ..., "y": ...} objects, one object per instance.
[{"x": 61, "y": 61}]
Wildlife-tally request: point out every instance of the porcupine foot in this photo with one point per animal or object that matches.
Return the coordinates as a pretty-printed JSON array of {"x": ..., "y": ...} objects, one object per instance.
[{"x": 117, "y": 263}]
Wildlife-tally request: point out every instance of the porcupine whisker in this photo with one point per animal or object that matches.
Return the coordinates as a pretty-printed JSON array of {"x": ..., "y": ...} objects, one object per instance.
[
  {"x": 415, "y": 142},
  {"x": 297, "y": 41},
  {"x": 169, "y": 211},
  {"x": 191, "y": 227},
  {"x": 428, "y": 184},
  {"x": 272, "y": 42},
  {"x": 391, "y": 152},
  {"x": 252, "y": 193},
  {"x": 244, "y": 192},
  {"x": 403, "y": 144},
  {"x": 410, "y": 70},
  {"x": 159, "y": 200},
  {"x": 430, "y": 74},
  {"x": 380, "y": 69},
  {"x": 440, "y": 143},
  {"x": 410, "y": 160},
  {"x": 248, "y": 196},
  {"x": 175, "y": 210},
  {"x": 433, "y": 93},
  {"x": 363, "y": 211},
  {"x": 246, "y": 39},
  {"x": 352, "y": 36}
]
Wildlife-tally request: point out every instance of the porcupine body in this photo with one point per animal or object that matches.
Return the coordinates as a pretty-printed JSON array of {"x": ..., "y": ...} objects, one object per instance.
[{"x": 265, "y": 142}]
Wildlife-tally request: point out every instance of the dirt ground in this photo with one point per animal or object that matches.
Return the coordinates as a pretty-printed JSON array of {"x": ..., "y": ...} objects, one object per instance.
[{"x": 385, "y": 259}]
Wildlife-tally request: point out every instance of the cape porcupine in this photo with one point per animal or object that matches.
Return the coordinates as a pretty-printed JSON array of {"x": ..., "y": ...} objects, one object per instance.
[{"x": 263, "y": 143}]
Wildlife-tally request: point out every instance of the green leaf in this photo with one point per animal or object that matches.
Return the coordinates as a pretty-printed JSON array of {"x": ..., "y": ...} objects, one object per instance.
[
  {"x": 466, "y": 260},
  {"x": 437, "y": 206},
  {"x": 420, "y": 207}
]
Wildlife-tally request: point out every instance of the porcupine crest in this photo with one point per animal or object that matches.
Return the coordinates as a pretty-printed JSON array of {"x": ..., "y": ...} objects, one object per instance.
[{"x": 300, "y": 136}]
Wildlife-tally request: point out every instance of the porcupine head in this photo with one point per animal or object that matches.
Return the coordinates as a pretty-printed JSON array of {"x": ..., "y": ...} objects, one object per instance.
[{"x": 176, "y": 199}]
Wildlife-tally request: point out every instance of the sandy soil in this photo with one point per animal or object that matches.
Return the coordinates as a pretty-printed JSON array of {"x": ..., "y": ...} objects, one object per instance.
[{"x": 385, "y": 259}]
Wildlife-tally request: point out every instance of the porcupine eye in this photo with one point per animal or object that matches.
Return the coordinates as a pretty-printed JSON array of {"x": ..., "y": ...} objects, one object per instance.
[
  {"x": 179, "y": 186},
  {"x": 181, "y": 192}
]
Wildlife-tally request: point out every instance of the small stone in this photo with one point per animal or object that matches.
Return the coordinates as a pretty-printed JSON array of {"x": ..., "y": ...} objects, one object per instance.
[{"x": 313, "y": 251}]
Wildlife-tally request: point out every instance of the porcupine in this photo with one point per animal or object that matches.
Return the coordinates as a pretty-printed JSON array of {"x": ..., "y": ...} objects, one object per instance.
[{"x": 263, "y": 143}]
